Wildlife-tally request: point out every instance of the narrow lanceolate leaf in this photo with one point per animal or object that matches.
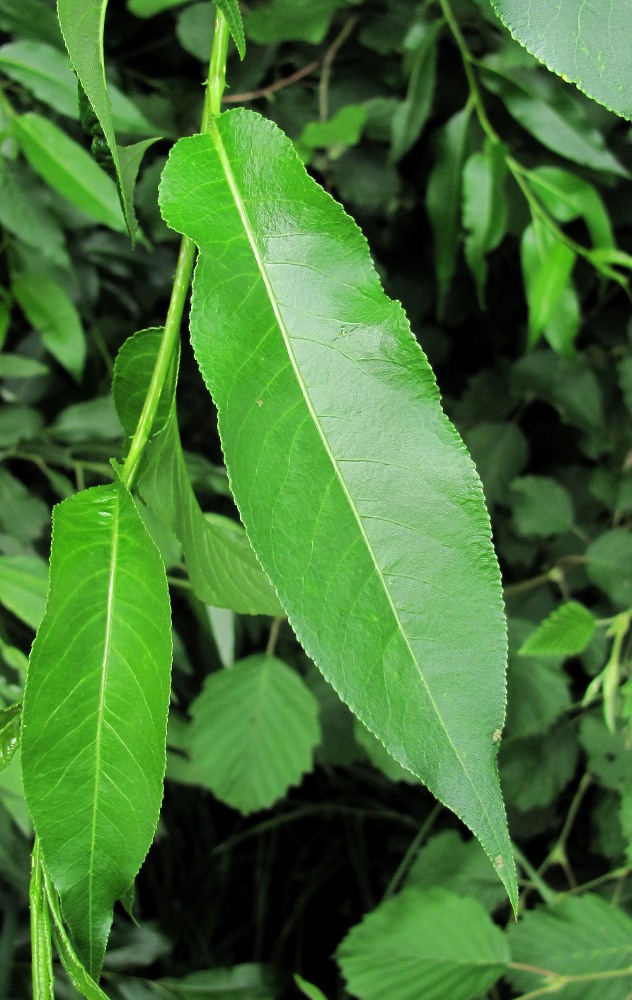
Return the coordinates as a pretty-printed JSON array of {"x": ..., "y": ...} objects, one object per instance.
[
  {"x": 232, "y": 14},
  {"x": 586, "y": 44},
  {"x": 253, "y": 734},
  {"x": 566, "y": 631},
  {"x": 95, "y": 709},
  {"x": 356, "y": 491},
  {"x": 82, "y": 23},
  {"x": 51, "y": 311},
  {"x": 424, "y": 943}
]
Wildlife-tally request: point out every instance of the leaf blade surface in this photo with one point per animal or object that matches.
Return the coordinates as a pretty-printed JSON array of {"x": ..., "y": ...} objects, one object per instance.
[
  {"x": 95, "y": 709},
  {"x": 356, "y": 491}
]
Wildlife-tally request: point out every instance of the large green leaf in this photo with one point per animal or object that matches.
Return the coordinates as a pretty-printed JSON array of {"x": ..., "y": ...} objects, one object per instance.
[
  {"x": 578, "y": 937},
  {"x": 95, "y": 708},
  {"x": 355, "y": 489},
  {"x": 424, "y": 943},
  {"x": 253, "y": 734},
  {"x": 585, "y": 43}
]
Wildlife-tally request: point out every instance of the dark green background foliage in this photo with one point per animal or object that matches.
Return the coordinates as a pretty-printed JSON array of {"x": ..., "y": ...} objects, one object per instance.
[{"x": 499, "y": 211}]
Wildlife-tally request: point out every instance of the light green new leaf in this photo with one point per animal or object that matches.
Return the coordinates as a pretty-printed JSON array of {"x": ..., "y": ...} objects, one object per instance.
[
  {"x": 569, "y": 197},
  {"x": 484, "y": 209},
  {"x": 51, "y": 311},
  {"x": 95, "y": 709},
  {"x": 308, "y": 989},
  {"x": 9, "y": 733},
  {"x": 566, "y": 632},
  {"x": 548, "y": 122},
  {"x": 69, "y": 169},
  {"x": 609, "y": 565},
  {"x": 18, "y": 366},
  {"x": 578, "y": 937},
  {"x": 82, "y": 24},
  {"x": 585, "y": 44},
  {"x": 423, "y": 943},
  {"x": 23, "y": 587},
  {"x": 232, "y": 14},
  {"x": 223, "y": 569},
  {"x": 46, "y": 72},
  {"x": 443, "y": 198},
  {"x": 339, "y": 132},
  {"x": 253, "y": 734},
  {"x": 356, "y": 491}
]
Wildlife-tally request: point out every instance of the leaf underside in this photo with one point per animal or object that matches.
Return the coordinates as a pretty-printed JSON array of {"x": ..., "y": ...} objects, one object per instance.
[
  {"x": 95, "y": 709},
  {"x": 356, "y": 491}
]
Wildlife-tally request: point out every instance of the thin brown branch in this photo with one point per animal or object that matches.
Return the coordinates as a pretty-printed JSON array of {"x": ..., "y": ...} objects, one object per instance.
[{"x": 286, "y": 81}]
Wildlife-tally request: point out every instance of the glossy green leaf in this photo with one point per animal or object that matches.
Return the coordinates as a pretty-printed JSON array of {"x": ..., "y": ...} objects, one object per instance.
[
  {"x": 609, "y": 565},
  {"x": 412, "y": 113},
  {"x": 95, "y": 709},
  {"x": 69, "y": 169},
  {"x": 9, "y": 733},
  {"x": 51, "y": 311},
  {"x": 540, "y": 506},
  {"x": 423, "y": 943},
  {"x": 547, "y": 264},
  {"x": 578, "y": 937},
  {"x": 484, "y": 209},
  {"x": 566, "y": 632},
  {"x": 232, "y": 14},
  {"x": 448, "y": 862},
  {"x": 443, "y": 198},
  {"x": 75, "y": 969},
  {"x": 42, "y": 948},
  {"x": 253, "y": 734},
  {"x": 585, "y": 44},
  {"x": 355, "y": 489},
  {"x": 82, "y": 23},
  {"x": 342, "y": 130},
  {"x": 381, "y": 759},
  {"x": 46, "y": 73},
  {"x": 548, "y": 122},
  {"x": 23, "y": 587}
]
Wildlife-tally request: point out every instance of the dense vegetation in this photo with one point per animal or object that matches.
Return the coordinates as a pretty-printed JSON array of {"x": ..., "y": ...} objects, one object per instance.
[{"x": 293, "y": 853}]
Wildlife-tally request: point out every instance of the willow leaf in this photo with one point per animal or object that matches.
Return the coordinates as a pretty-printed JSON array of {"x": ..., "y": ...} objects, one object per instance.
[
  {"x": 356, "y": 491},
  {"x": 95, "y": 709}
]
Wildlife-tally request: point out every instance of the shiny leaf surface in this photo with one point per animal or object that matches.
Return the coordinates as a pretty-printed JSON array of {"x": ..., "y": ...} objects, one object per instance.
[{"x": 355, "y": 490}]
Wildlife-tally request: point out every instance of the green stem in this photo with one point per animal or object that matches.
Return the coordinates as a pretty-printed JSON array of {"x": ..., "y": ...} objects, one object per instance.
[
  {"x": 467, "y": 60},
  {"x": 184, "y": 269}
]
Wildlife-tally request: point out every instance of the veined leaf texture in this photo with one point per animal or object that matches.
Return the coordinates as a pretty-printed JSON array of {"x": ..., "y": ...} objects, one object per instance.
[{"x": 356, "y": 491}]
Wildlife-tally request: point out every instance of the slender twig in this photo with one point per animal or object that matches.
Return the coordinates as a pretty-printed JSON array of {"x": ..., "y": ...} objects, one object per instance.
[
  {"x": 272, "y": 88},
  {"x": 330, "y": 55},
  {"x": 274, "y": 635},
  {"x": 411, "y": 853}
]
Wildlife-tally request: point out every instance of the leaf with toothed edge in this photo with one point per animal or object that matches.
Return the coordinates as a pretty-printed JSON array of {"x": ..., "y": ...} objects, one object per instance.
[{"x": 356, "y": 491}]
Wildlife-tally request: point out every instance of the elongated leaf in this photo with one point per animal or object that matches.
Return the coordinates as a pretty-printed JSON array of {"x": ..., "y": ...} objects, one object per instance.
[
  {"x": 69, "y": 169},
  {"x": 23, "y": 213},
  {"x": 249, "y": 981},
  {"x": 132, "y": 374},
  {"x": 484, "y": 209},
  {"x": 9, "y": 733},
  {"x": 82, "y": 24},
  {"x": 547, "y": 264},
  {"x": 586, "y": 44},
  {"x": 411, "y": 115},
  {"x": 95, "y": 709},
  {"x": 577, "y": 937},
  {"x": 51, "y": 311},
  {"x": 308, "y": 989},
  {"x": 77, "y": 973},
  {"x": 443, "y": 198},
  {"x": 547, "y": 123},
  {"x": 423, "y": 943},
  {"x": 569, "y": 197},
  {"x": 566, "y": 631},
  {"x": 23, "y": 587},
  {"x": 46, "y": 72},
  {"x": 254, "y": 730},
  {"x": 356, "y": 491},
  {"x": 230, "y": 10}
]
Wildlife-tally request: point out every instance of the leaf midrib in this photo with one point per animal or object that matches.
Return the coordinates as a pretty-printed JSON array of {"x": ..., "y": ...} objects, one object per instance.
[
  {"x": 243, "y": 214},
  {"x": 109, "y": 615}
]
